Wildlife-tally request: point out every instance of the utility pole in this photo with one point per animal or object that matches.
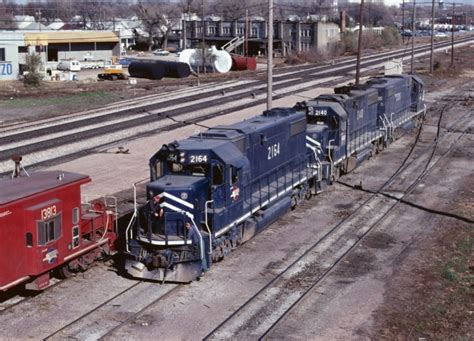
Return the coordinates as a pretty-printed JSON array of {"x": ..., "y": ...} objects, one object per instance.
[
  {"x": 38, "y": 13},
  {"x": 203, "y": 38},
  {"x": 413, "y": 38},
  {"x": 246, "y": 44},
  {"x": 270, "y": 56},
  {"x": 359, "y": 42},
  {"x": 432, "y": 37},
  {"x": 403, "y": 21},
  {"x": 452, "y": 36}
]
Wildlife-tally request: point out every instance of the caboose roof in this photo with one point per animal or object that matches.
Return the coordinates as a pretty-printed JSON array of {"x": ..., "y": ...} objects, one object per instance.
[{"x": 19, "y": 188}]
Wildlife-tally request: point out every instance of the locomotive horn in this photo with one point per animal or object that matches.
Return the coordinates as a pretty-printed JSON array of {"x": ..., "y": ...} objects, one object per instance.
[
  {"x": 17, "y": 171},
  {"x": 18, "y": 167}
]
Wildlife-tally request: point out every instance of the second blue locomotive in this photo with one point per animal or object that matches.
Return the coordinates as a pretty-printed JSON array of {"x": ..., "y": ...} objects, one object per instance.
[{"x": 215, "y": 190}]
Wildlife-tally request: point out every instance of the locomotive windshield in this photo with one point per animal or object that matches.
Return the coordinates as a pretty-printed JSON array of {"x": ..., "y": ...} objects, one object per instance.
[
  {"x": 196, "y": 169},
  {"x": 330, "y": 121}
]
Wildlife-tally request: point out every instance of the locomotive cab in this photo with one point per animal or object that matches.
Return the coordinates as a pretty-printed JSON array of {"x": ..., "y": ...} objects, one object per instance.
[
  {"x": 177, "y": 223},
  {"x": 327, "y": 124},
  {"x": 215, "y": 190}
]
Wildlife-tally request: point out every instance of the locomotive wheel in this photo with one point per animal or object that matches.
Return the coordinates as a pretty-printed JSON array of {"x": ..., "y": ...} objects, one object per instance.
[
  {"x": 336, "y": 173},
  {"x": 65, "y": 272},
  {"x": 294, "y": 202},
  {"x": 374, "y": 150},
  {"x": 380, "y": 146}
]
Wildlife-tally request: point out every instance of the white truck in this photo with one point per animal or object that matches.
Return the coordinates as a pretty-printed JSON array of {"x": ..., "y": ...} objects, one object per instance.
[{"x": 69, "y": 65}]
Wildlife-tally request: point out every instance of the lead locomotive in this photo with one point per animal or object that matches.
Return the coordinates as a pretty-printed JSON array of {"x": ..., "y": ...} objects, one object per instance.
[{"x": 215, "y": 190}]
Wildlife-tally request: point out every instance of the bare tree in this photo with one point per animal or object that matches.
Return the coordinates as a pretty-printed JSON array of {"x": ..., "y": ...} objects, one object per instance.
[
  {"x": 189, "y": 6},
  {"x": 158, "y": 21},
  {"x": 7, "y": 21},
  {"x": 230, "y": 9}
]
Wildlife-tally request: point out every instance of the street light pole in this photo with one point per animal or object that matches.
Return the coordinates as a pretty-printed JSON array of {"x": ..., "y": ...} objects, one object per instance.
[{"x": 270, "y": 56}]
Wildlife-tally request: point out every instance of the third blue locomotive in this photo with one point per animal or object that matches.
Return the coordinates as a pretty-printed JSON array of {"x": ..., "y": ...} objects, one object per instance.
[{"x": 215, "y": 190}]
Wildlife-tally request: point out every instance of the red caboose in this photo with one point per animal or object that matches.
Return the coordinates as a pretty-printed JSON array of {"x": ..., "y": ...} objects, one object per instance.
[{"x": 43, "y": 227}]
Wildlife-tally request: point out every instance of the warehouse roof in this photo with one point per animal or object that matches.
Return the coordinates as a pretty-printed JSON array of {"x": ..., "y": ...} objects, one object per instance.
[{"x": 58, "y": 37}]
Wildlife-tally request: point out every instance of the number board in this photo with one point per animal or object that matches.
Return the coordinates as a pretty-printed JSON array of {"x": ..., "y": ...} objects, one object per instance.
[
  {"x": 197, "y": 158},
  {"x": 317, "y": 112},
  {"x": 48, "y": 212}
]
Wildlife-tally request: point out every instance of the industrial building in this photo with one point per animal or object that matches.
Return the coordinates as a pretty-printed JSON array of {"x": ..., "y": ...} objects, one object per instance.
[
  {"x": 289, "y": 36},
  {"x": 10, "y": 42},
  {"x": 53, "y": 46}
]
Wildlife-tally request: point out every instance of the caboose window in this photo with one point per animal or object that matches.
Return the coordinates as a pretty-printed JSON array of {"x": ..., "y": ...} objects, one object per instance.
[
  {"x": 75, "y": 215},
  {"x": 49, "y": 230}
]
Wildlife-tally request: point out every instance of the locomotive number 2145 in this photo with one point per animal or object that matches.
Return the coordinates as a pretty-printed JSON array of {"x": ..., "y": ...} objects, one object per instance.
[{"x": 273, "y": 151}]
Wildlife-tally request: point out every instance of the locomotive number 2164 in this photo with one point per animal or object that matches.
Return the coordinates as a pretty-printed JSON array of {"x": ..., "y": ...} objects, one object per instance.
[{"x": 273, "y": 151}]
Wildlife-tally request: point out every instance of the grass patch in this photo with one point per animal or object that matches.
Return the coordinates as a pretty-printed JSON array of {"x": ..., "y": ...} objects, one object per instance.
[{"x": 81, "y": 100}]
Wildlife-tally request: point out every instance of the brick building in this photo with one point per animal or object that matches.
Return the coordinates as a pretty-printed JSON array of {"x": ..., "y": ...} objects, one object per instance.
[{"x": 288, "y": 36}]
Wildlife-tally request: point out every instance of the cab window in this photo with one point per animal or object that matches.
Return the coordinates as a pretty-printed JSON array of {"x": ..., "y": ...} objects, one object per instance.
[
  {"x": 233, "y": 175},
  {"x": 49, "y": 230},
  {"x": 217, "y": 175},
  {"x": 201, "y": 169}
]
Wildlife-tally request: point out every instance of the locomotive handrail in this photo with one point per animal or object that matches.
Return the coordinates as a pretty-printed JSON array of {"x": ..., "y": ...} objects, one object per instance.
[
  {"x": 331, "y": 163},
  {"x": 207, "y": 224},
  {"x": 134, "y": 216},
  {"x": 201, "y": 249},
  {"x": 389, "y": 135}
]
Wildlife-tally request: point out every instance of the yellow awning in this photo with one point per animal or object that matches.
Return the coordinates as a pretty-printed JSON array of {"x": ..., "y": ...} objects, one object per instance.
[{"x": 65, "y": 37}]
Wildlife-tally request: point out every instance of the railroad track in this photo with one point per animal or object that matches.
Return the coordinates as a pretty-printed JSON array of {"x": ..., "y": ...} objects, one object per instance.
[
  {"x": 305, "y": 273},
  {"x": 263, "y": 312},
  {"x": 88, "y": 132},
  {"x": 7, "y": 303},
  {"x": 114, "y": 312},
  {"x": 281, "y": 295}
]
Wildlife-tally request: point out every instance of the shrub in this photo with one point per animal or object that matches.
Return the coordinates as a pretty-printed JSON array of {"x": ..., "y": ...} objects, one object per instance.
[{"x": 33, "y": 76}]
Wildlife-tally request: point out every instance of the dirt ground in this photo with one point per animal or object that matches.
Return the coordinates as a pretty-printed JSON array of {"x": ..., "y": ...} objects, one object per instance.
[{"x": 431, "y": 294}]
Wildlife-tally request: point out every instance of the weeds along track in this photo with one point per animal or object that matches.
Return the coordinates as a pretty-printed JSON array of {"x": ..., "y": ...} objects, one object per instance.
[
  {"x": 55, "y": 139},
  {"x": 268, "y": 307}
]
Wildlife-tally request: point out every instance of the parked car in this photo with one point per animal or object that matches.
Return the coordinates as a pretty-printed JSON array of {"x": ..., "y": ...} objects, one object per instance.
[
  {"x": 161, "y": 52},
  {"x": 441, "y": 35}
]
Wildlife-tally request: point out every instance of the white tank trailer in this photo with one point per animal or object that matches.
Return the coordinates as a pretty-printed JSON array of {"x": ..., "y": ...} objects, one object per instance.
[{"x": 216, "y": 60}]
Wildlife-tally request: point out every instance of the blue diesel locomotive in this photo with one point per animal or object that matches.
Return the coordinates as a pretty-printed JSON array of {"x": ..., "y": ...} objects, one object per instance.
[{"x": 215, "y": 190}]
